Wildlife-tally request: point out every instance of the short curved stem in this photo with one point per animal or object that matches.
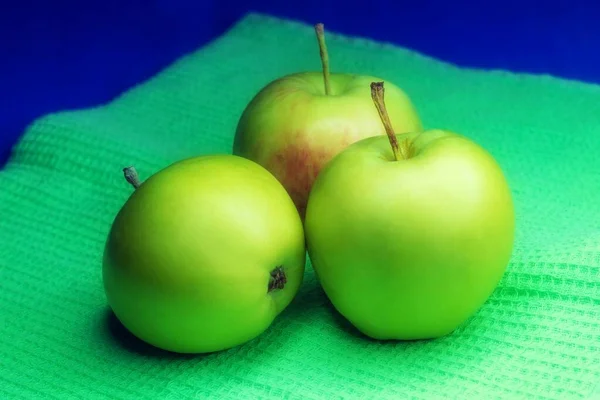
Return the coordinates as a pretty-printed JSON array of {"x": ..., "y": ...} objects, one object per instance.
[{"x": 132, "y": 176}]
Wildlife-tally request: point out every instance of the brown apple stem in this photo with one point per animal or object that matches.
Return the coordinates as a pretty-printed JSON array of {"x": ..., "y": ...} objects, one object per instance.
[
  {"x": 277, "y": 279},
  {"x": 377, "y": 93},
  {"x": 319, "y": 29},
  {"x": 132, "y": 176}
]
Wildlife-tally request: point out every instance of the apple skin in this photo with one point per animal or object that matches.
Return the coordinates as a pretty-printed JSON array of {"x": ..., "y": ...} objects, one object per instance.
[
  {"x": 293, "y": 129},
  {"x": 410, "y": 249},
  {"x": 188, "y": 259}
]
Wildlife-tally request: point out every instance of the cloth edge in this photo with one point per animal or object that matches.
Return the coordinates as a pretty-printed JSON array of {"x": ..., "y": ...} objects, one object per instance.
[{"x": 250, "y": 19}]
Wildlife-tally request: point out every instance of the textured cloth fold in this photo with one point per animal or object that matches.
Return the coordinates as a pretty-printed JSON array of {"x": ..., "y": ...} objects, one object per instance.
[{"x": 538, "y": 336}]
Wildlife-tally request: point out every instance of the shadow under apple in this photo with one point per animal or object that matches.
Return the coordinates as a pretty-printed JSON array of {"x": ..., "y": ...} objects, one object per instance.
[
  {"x": 127, "y": 341},
  {"x": 345, "y": 325}
]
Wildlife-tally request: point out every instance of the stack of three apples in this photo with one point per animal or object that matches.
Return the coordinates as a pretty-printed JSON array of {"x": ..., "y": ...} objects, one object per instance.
[{"x": 408, "y": 230}]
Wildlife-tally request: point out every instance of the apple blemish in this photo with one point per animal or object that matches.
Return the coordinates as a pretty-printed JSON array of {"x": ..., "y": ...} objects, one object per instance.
[{"x": 277, "y": 280}]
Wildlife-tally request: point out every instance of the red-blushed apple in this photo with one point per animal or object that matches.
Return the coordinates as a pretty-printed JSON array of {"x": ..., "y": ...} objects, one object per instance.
[
  {"x": 410, "y": 234},
  {"x": 297, "y": 123},
  {"x": 204, "y": 255}
]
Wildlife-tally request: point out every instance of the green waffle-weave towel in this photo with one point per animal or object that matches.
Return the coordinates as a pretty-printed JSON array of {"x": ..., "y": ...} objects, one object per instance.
[{"x": 538, "y": 336}]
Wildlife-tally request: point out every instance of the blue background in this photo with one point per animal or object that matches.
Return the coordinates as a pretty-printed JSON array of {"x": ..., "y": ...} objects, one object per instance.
[{"x": 70, "y": 54}]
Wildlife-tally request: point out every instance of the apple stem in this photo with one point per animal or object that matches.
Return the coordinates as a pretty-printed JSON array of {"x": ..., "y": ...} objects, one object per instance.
[
  {"x": 132, "y": 176},
  {"x": 377, "y": 93},
  {"x": 320, "y": 30},
  {"x": 277, "y": 279}
]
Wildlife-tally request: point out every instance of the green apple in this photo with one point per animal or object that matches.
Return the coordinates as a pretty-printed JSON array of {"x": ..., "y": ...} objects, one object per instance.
[
  {"x": 409, "y": 240},
  {"x": 204, "y": 255},
  {"x": 297, "y": 123}
]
